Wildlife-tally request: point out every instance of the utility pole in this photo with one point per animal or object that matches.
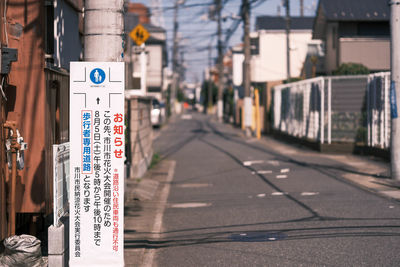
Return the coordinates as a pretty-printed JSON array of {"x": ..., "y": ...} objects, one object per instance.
[
  {"x": 248, "y": 107},
  {"x": 220, "y": 105},
  {"x": 210, "y": 91},
  {"x": 174, "y": 58},
  {"x": 103, "y": 37},
  {"x": 394, "y": 93},
  {"x": 287, "y": 3},
  {"x": 301, "y": 8}
]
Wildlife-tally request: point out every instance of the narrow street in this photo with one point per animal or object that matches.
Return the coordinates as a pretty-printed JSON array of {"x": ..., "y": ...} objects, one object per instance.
[{"x": 241, "y": 202}]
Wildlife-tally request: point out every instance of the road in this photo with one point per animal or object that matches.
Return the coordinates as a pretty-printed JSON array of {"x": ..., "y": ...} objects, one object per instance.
[{"x": 240, "y": 202}]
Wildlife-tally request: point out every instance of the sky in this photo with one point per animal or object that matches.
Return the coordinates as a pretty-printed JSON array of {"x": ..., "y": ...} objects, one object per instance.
[{"x": 197, "y": 33}]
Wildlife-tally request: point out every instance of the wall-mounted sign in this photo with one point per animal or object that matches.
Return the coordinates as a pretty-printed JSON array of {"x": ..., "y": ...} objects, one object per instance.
[{"x": 97, "y": 164}]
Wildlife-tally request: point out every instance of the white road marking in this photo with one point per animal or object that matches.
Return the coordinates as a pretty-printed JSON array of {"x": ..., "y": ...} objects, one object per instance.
[
  {"x": 186, "y": 117},
  {"x": 261, "y": 195},
  {"x": 190, "y": 205},
  {"x": 194, "y": 185},
  {"x": 281, "y": 176},
  {"x": 391, "y": 207},
  {"x": 285, "y": 170},
  {"x": 264, "y": 172},
  {"x": 273, "y": 162},
  {"x": 309, "y": 193},
  {"x": 251, "y": 162},
  {"x": 278, "y": 193},
  {"x": 253, "y": 173}
]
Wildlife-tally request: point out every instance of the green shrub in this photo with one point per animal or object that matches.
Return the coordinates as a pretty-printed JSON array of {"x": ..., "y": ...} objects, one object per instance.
[{"x": 351, "y": 69}]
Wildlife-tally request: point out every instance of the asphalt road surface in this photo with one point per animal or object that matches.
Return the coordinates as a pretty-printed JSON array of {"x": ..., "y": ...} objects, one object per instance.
[{"x": 236, "y": 202}]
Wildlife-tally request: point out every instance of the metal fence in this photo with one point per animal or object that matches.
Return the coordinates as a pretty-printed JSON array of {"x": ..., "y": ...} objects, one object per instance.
[
  {"x": 324, "y": 109},
  {"x": 378, "y": 110},
  {"x": 61, "y": 181}
]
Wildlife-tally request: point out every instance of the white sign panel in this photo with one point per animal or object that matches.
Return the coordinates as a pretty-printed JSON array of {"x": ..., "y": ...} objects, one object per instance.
[{"x": 97, "y": 164}]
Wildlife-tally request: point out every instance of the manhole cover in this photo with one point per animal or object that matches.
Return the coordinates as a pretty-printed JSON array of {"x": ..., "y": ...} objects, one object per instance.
[{"x": 258, "y": 236}]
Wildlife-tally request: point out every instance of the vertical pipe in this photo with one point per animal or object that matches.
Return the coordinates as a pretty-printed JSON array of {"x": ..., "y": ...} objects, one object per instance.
[
  {"x": 258, "y": 123},
  {"x": 14, "y": 149},
  {"x": 143, "y": 69},
  {"x": 329, "y": 110},
  {"x": 12, "y": 195}
]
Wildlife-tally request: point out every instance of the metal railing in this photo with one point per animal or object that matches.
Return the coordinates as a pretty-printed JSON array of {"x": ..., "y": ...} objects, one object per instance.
[
  {"x": 299, "y": 109},
  {"x": 378, "y": 110},
  {"x": 61, "y": 176},
  {"x": 324, "y": 109}
]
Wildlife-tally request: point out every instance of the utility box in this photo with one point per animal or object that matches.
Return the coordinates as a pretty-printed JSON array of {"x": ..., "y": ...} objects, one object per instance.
[{"x": 8, "y": 55}]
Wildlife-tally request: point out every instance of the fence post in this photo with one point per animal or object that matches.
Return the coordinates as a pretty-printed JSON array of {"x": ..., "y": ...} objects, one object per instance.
[
  {"x": 369, "y": 111},
  {"x": 386, "y": 111},
  {"x": 322, "y": 128},
  {"x": 329, "y": 110},
  {"x": 382, "y": 112}
]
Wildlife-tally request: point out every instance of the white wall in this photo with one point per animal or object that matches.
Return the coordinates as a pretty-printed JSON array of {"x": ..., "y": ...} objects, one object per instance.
[
  {"x": 154, "y": 66},
  {"x": 237, "y": 68},
  {"x": 270, "y": 64}
]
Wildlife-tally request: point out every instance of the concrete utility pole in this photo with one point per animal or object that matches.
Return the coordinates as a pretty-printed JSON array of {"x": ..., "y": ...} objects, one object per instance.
[
  {"x": 248, "y": 107},
  {"x": 288, "y": 39},
  {"x": 394, "y": 93},
  {"x": 174, "y": 58},
  {"x": 301, "y": 8},
  {"x": 210, "y": 91},
  {"x": 220, "y": 63},
  {"x": 104, "y": 25}
]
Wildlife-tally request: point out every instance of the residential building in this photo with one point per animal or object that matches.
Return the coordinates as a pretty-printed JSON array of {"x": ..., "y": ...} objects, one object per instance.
[
  {"x": 46, "y": 36},
  {"x": 156, "y": 52},
  {"x": 269, "y": 53},
  {"x": 356, "y": 31}
]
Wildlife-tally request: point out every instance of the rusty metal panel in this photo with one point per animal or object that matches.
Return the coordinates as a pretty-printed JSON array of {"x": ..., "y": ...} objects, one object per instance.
[
  {"x": 27, "y": 75},
  {"x": 57, "y": 123}
]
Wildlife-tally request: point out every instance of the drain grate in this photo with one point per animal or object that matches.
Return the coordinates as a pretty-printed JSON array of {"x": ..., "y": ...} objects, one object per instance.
[{"x": 258, "y": 236}]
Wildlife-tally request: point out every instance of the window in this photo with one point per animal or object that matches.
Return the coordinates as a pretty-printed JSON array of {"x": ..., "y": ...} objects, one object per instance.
[{"x": 255, "y": 46}]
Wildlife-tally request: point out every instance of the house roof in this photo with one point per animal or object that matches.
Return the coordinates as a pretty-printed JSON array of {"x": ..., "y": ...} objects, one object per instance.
[
  {"x": 355, "y": 10},
  {"x": 279, "y": 23},
  {"x": 132, "y": 20}
]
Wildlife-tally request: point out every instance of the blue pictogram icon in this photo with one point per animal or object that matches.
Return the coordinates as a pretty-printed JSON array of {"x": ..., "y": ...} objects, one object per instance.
[{"x": 97, "y": 76}]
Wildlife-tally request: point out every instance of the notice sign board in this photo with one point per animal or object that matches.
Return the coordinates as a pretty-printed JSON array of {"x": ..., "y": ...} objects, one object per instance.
[{"x": 96, "y": 164}]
